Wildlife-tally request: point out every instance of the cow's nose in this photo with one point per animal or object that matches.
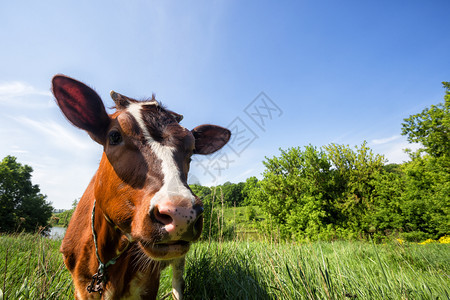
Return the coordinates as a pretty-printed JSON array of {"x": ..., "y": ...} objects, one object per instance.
[{"x": 181, "y": 223}]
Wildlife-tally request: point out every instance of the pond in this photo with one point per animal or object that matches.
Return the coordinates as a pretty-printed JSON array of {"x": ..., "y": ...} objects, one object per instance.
[{"x": 57, "y": 232}]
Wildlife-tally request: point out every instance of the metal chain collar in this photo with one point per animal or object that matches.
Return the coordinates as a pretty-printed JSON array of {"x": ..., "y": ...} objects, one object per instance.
[{"x": 100, "y": 278}]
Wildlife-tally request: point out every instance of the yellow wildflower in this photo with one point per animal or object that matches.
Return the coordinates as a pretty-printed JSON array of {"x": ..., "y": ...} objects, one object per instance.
[
  {"x": 429, "y": 241},
  {"x": 445, "y": 239}
]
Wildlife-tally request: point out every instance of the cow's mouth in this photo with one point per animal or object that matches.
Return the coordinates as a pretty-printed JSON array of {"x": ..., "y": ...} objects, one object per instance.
[{"x": 168, "y": 250}]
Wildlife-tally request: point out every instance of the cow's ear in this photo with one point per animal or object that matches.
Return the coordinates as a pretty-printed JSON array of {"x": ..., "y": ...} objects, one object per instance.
[
  {"x": 82, "y": 106},
  {"x": 210, "y": 138}
]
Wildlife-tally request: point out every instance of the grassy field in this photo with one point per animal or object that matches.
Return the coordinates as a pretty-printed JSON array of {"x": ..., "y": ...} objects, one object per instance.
[{"x": 31, "y": 268}]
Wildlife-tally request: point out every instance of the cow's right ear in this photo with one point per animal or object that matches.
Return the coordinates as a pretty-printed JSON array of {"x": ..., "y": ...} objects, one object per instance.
[
  {"x": 82, "y": 106},
  {"x": 210, "y": 138}
]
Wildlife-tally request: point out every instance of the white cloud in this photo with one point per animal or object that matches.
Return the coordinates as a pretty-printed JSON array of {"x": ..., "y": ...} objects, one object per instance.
[
  {"x": 18, "y": 89},
  {"x": 57, "y": 134},
  {"x": 393, "y": 148},
  {"x": 20, "y": 95},
  {"x": 19, "y": 151},
  {"x": 396, "y": 153},
  {"x": 385, "y": 140}
]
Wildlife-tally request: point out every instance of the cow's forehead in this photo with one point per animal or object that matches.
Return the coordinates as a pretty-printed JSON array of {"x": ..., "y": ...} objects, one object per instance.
[{"x": 153, "y": 123}]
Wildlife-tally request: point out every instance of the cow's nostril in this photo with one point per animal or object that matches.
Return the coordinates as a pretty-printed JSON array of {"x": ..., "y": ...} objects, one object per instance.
[
  {"x": 198, "y": 225},
  {"x": 164, "y": 219},
  {"x": 198, "y": 209}
]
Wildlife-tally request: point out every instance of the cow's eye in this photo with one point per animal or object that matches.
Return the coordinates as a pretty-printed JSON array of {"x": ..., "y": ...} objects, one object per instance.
[{"x": 115, "y": 137}]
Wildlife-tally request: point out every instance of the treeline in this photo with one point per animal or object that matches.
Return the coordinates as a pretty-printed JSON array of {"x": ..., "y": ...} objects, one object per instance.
[
  {"x": 335, "y": 192},
  {"x": 232, "y": 194}
]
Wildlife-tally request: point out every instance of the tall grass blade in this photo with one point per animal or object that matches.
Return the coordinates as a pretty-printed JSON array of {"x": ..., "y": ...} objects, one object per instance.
[{"x": 381, "y": 266}]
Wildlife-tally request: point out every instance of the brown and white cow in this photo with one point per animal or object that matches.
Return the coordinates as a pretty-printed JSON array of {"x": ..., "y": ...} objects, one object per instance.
[{"x": 138, "y": 215}]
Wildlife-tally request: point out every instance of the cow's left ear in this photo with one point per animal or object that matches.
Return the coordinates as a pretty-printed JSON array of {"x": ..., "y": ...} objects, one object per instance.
[
  {"x": 210, "y": 138},
  {"x": 82, "y": 106}
]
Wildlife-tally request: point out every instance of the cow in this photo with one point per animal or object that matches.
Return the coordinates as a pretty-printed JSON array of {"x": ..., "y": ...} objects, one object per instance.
[{"x": 138, "y": 214}]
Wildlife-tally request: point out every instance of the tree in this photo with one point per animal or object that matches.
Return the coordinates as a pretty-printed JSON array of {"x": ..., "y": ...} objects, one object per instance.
[
  {"x": 387, "y": 216},
  {"x": 22, "y": 206},
  {"x": 355, "y": 172},
  {"x": 413, "y": 199},
  {"x": 319, "y": 193},
  {"x": 426, "y": 199},
  {"x": 251, "y": 192},
  {"x": 415, "y": 202},
  {"x": 295, "y": 192},
  {"x": 232, "y": 193},
  {"x": 431, "y": 127}
]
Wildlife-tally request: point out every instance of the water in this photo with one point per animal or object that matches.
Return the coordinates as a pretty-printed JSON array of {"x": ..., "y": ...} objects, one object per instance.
[{"x": 57, "y": 232}]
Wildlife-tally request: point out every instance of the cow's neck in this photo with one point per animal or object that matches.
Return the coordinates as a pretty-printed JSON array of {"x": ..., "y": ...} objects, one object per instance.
[
  {"x": 107, "y": 243},
  {"x": 111, "y": 242}
]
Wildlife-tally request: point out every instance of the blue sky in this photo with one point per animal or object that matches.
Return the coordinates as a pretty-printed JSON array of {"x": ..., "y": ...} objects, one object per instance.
[{"x": 330, "y": 71}]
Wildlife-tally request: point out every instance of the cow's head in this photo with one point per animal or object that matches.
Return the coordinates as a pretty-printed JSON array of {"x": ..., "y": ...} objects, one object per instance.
[{"x": 141, "y": 185}]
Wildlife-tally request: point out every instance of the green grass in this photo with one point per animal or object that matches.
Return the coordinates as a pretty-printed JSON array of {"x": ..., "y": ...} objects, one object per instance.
[
  {"x": 32, "y": 268},
  {"x": 339, "y": 270}
]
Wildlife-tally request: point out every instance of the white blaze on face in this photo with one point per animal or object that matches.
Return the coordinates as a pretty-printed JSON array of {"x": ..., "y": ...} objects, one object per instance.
[{"x": 172, "y": 184}]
